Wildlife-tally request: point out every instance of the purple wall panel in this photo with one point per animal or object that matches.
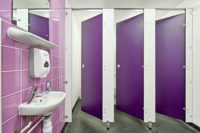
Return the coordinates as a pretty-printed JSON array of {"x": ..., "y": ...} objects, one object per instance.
[
  {"x": 92, "y": 72},
  {"x": 39, "y": 26},
  {"x": 170, "y": 59},
  {"x": 130, "y": 44}
]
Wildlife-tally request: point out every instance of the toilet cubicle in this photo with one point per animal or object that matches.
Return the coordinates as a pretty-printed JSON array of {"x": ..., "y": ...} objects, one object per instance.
[
  {"x": 135, "y": 58},
  {"x": 130, "y": 60},
  {"x": 173, "y": 64},
  {"x": 91, "y": 75},
  {"x": 97, "y": 61},
  {"x": 170, "y": 66}
]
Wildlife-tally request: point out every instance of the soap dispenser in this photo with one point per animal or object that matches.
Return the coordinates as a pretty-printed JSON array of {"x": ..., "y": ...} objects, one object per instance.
[{"x": 39, "y": 63}]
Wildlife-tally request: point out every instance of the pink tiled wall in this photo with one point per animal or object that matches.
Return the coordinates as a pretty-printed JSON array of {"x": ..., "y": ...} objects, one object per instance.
[
  {"x": 16, "y": 81},
  {"x": 5, "y": 9}
]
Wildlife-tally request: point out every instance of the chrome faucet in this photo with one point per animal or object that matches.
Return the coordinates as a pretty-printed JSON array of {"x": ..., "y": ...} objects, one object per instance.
[
  {"x": 48, "y": 87},
  {"x": 32, "y": 94}
]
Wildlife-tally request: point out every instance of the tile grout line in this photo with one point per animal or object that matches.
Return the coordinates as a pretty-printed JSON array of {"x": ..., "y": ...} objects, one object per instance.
[
  {"x": 3, "y": 45},
  {"x": 9, "y": 119},
  {"x": 15, "y": 93}
]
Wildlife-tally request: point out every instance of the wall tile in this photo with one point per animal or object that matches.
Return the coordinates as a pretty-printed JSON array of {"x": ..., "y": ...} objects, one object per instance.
[
  {"x": 42, "y": 88},
  {"x": 25, "y": 59},
  {"x": 27, "y": 80},
  {"x": 10, "y": 106},
  {"x": 54, "y": 130},
  {"x": 55, "y": 73},
  {"x": 12, "y": 125},
  {"x": 54, "y": 118},
  {"x": 55, "y": 84},
  {"x": 25, "y": 95},
  {"x": 39, "y": 128},
  {"x": 11, "y": 59},
  {"x": 54, "y": 61},
  {"x": 5, "y": 39},
  {"x": 5, "y": 9},
  {"x": 11, "y": 82}
]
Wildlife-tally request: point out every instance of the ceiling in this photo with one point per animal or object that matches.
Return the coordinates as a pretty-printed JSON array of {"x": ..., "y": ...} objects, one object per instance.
[
  {"x": 132, "y": 3},
  {"x": 124, "y": 3},
  {"x": 110, "y": 3}
]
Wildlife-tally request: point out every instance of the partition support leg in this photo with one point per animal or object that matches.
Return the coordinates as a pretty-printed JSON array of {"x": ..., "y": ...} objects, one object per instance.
[
  {"x": 107, "y": 125},
  {"x": 150, "y": 125}
]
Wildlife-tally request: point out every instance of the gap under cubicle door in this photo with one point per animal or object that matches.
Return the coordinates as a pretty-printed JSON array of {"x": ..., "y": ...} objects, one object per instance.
[
  {"x": 91, "y": 72},
  {"x": 130, "y": 60},
  {"x": 170, "y": 62}
]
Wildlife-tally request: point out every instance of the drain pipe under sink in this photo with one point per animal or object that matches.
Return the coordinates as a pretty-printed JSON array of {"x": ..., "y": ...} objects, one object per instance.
[
  {"x": 28, "y": 125},
  {"x": 36, "y": 124}
]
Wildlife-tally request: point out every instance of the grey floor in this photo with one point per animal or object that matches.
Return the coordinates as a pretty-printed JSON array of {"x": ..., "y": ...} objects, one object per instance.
[{"x": 84, "y": 123}]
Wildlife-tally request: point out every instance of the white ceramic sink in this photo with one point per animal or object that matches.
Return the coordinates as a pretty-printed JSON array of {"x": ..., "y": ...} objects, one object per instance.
[{"x": 42, "y": 105}]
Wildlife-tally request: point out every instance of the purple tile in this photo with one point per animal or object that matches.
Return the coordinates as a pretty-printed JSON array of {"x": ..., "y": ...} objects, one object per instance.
[
  {"x": 12, "y": 125},
  {"x": 11, "y": 59},
  {"x": 55, "y": 84},
  {"x": 61, "y": 84},
  {"x": 62, "y": 72},
  {"x": 25, "y": 59},
  {"x": 54, "y": 52},
  {"x": 50, "y": 75},
  {"x": 54, "y": 130},
  {"x": 5, "y": 9},
  {"x": 11, "y": 82},
  {"x": 40, "y": 81},
  {"x": 54, "y": 118},
  {"x": 25, "y": 94},
  {"x": 42, "y": 88},
  {"x": 27, "y": 80},
  {"x": 54, "y": 61},
  {"x": 5, "y": 39},
  {"x": 55, "y": 73},
  {"x": 57, "y": 5},
  {"x": 38, "y": 129},
  {"x": 10, "y": 106}
]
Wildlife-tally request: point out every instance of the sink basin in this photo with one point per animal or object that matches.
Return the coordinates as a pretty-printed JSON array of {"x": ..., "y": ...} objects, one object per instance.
[{"x": 42, "y": 105}]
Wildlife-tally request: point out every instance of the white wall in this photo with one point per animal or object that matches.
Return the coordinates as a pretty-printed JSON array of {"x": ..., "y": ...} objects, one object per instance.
[
  {"x": 196, "y": 66},
  {"x": 76, "y": 60},
  {"x": 22, "y": 18},
  {"x": 77, "y": 17}
]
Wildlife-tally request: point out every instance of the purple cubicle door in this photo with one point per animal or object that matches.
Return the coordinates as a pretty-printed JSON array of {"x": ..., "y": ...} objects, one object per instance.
[
  {"x": 39, "y": 26},
  {"x": 91, "y": 77},
  {"x": 170, "y": 61},
  {"x": 130, "y": 58}
]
